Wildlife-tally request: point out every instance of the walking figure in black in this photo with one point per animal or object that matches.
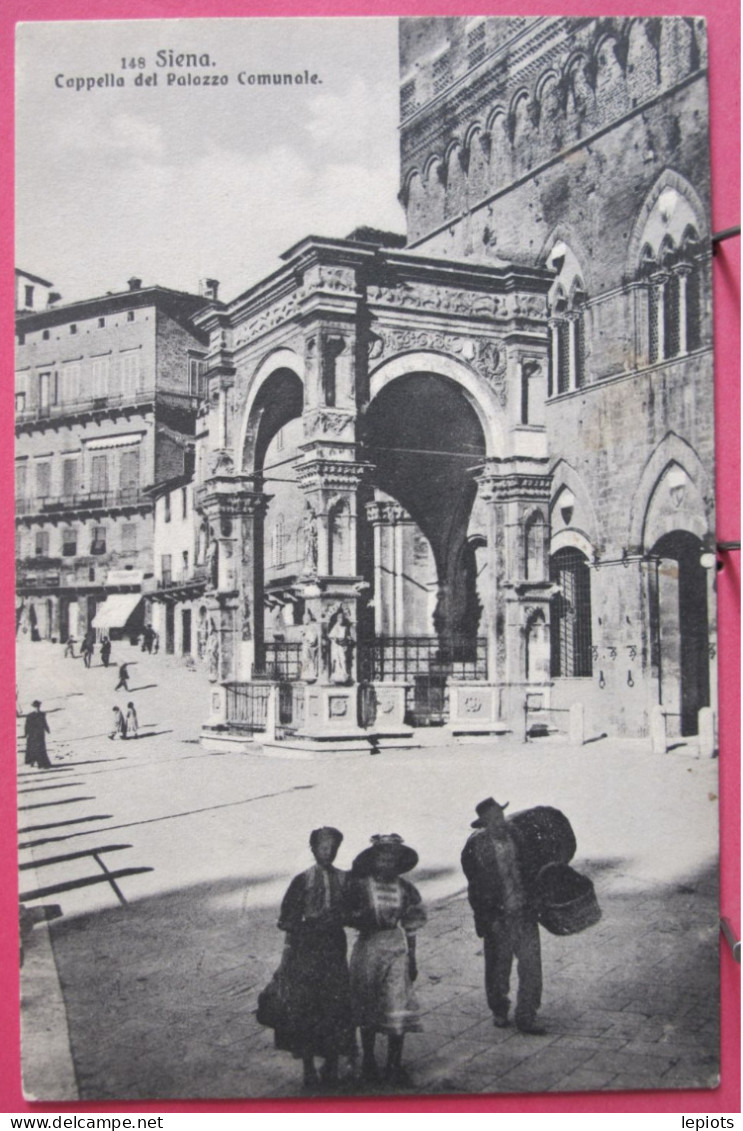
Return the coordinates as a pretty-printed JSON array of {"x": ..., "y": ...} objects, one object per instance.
[
  {"x": 105, "y": 651},
  {"x": 123, "y": 677},
  {"x": 36, "y": 730}
]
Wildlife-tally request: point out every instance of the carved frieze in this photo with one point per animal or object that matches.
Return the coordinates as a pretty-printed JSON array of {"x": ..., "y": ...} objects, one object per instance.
[
  {"x": 445, "y": 300},
  {"x": 269, "y": 318},
  {"x": 487, "y": 355},
  {"x": 323, "y": 277},
  {"x": 328, "y": 422}
]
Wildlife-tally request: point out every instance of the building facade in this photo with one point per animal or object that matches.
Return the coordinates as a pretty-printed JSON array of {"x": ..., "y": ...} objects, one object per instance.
[
  {"x": 498, "y": 499},
  {"x": 582, "y": 145},
  {"x": 106, "y": 396},
  {"x": 178, "y": 613}
]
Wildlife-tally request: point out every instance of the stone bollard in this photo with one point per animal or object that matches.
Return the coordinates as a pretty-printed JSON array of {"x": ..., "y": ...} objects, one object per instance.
[
  {"x": 706, "y": 731},
  {"x": 577, "y": 726},
  {"x": 272, "y": 713},
  {"x": 658, "y": 738}
]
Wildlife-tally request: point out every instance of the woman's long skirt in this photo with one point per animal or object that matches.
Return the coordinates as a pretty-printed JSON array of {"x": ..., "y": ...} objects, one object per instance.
[
  {"x": 381, "y": 990},
  {"x": 316, "y": 993}
]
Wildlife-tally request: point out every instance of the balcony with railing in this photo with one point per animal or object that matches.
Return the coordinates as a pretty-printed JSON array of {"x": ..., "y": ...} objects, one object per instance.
[
  {"x": 183, "y": 584},
  {"x": 115, "y": 404},
  {"x": 85, "y": 406}
]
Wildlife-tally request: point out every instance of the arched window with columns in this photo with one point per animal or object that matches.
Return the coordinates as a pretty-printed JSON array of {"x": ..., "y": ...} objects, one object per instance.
[
  {"x": 568, "y": 301},
  {"x": 670, "y": 269}
]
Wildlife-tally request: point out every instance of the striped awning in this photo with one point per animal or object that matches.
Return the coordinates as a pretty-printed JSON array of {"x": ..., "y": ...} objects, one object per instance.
[{"x": 116, "y": 610}]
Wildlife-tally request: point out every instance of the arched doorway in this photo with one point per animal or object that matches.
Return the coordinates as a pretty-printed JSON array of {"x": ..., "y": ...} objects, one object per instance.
[
  {"x": 682, "y": 634},
  {"x": 426, "y": 444}
]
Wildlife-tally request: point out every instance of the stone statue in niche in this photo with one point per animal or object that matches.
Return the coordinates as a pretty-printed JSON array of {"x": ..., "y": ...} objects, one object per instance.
[
  {"x": 310, "y": 541},
  {"x": 202, "y": 633},
  {"x": 246, "y": 630},
  {"x": 310, "y": 648},
  {"x": 221, "y": 463},
  {"x": 202, "y": 545},
  {"x": 340, "y": 637},
  {"x": 212, "y": 652},
  {"x": 212, "y": 561}
]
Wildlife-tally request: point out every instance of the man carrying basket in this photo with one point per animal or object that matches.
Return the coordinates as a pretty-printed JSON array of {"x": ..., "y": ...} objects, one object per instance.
[{"x": 505, "y": 917}]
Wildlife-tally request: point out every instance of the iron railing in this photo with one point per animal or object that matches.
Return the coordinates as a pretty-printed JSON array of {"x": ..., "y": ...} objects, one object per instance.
[
  {"x": 405, "y": 658},
  {"x": 291, "y": 706},
  {"x": 247, "y": 705},
  {"x": 85, "y": 404},
  {"x": 98, "y": 500}
]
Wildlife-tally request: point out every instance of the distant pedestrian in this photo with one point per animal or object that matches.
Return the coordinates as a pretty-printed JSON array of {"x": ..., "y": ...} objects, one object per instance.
[
  {"x": 105, "y": 651},
  {"x": 145, "y": 639},
  {"x": 69, "y": 648},
  {"x": 387, "y": 911},
  {"x": 36, "y": 730},
  {"x": 155, "y": 641},
  {"x": 119, "y": 730},
  {"x": 132, "y": 723},
  {"x": 87, "y": 651},
  {"x": 123, "y": 678}
]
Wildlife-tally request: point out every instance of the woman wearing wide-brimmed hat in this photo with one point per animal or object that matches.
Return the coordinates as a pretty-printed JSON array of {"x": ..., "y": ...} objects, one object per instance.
[
  {"x": 314, "y": 1014},
  {"x": 387, "y": 911}
]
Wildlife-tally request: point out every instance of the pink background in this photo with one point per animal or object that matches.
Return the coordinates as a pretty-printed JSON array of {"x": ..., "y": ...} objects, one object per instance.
[{"x": 723, "y": 18}]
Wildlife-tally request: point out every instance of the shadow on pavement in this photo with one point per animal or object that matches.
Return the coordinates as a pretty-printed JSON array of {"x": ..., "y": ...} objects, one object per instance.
[{"x": 160, "y": 998}]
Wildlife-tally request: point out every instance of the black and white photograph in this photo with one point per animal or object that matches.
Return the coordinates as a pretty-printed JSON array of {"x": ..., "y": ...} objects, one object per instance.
[{"x": 367, "y": 719}]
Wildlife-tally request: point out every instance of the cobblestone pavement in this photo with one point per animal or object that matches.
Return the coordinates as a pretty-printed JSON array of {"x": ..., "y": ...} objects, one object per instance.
[{"x": 155, "y": 998}]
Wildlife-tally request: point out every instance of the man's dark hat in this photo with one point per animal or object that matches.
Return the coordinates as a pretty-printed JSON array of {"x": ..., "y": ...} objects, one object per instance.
[
  {"x": 36, "y": 703},
  {"x": 406, "y": 857},
  {"x": 482, "y": 809}
]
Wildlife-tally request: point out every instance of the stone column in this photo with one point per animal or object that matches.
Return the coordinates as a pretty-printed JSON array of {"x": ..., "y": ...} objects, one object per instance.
[
  {"x": 330, "y": 479},
  {"x": 234, "y": 598},
  {"x": 682, "y": 270},
  {"x": 389, "y": 521},
  {"x": 518, "y": 625},
  {"x": 658, "y": 283}
]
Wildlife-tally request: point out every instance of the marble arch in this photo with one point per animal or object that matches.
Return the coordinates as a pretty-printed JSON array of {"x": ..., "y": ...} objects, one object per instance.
[
  {"x": 281, "y": 358},
  {"x": 474, "y": 387}
]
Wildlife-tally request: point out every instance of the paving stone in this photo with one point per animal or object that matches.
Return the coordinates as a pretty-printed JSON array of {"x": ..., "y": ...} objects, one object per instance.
[{"x": 627, "y": 1005}]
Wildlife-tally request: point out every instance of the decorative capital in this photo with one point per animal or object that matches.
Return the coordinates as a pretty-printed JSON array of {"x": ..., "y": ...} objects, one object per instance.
[
  {"x": 386, "y": 513},
  {"x": 512, "y": 485},
  {"x": 330, "y": 475}
]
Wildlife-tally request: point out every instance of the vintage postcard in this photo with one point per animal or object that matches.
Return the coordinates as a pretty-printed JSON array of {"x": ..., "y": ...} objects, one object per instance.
[{"x": 365, "y": 543}]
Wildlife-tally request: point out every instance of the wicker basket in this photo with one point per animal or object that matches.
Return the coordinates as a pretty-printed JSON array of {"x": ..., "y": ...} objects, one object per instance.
[
  {"x": 543, "y": 835},
  {"x": 567, "y": 901}
]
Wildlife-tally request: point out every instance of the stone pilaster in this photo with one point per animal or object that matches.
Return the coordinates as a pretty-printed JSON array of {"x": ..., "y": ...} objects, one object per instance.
[
  {"x": 234, "y": 512},
  {"x": 518, "y": 493},
  {"x": 389, "y": 521}
]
